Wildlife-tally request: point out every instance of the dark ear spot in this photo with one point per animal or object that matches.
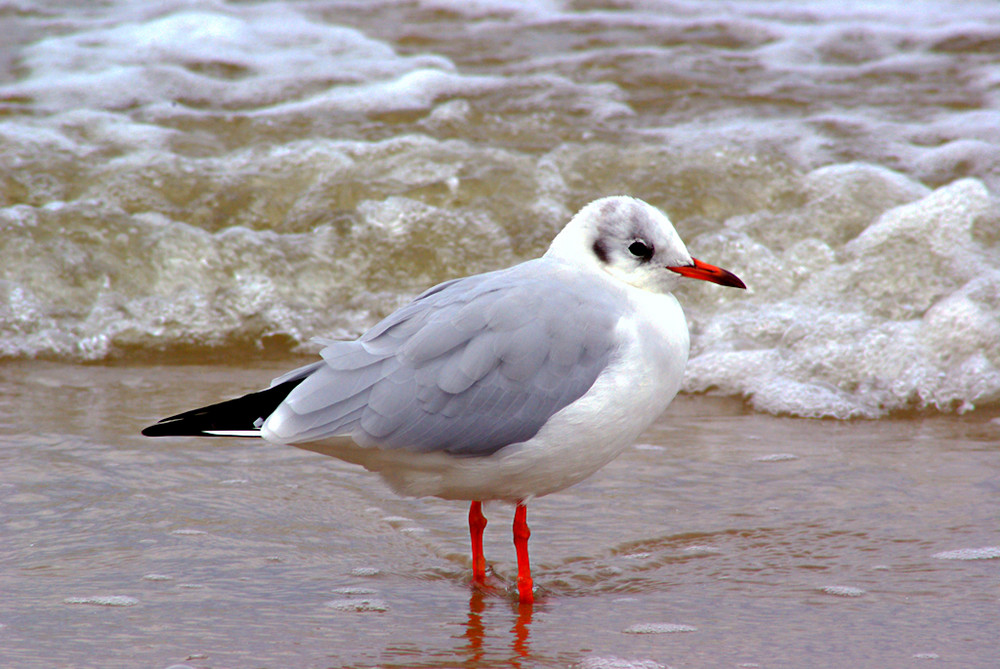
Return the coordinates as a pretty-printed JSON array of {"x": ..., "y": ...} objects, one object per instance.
[
  {"x": 601, "y": 250},
  {"x": 637, "y": 218}
]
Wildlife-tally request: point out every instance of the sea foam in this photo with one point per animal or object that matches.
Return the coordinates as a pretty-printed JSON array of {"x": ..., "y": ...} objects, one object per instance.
[{"x": 236, "y": 177}]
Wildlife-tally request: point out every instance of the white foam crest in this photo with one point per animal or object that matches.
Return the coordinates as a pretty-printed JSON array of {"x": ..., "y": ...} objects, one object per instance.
[
  {"x": 845, "y": 64},
  {"x": 417, "y": 89},
  {"x": 904, "y": 315},
  {"x": 233, "y": 56},
  {"x": 127, "y": 223},
  {"x": 472, "y": 9},
  {"x": 265, "y": 60},
  {"x": 85, "y": 279}
]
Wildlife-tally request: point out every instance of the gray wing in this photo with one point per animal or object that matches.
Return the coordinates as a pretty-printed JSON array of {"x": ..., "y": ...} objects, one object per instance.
[{"x": 468, "y": 367}]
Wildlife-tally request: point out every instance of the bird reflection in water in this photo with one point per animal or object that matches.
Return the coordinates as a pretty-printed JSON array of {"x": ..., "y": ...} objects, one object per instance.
[{"x": 475, "y": 630}]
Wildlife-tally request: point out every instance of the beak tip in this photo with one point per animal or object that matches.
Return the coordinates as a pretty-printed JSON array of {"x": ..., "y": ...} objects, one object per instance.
[{"x": 702, "y": 270}]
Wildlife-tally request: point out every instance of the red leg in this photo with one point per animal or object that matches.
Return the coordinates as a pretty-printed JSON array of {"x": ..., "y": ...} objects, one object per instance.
[
  {"x": 521, "y": 534},
  {"x": 477, "y": 523}
]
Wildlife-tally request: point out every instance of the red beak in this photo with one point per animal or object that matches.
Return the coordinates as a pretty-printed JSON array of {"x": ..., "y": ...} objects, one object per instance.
[{"x": 702, "y": 270}]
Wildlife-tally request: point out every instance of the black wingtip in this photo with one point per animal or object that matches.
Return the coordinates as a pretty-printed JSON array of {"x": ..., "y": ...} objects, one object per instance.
[
  {"x": 238, "y": 415},
  {"x": 152, "y": 431},
  {"x": 170, "y": 428}
]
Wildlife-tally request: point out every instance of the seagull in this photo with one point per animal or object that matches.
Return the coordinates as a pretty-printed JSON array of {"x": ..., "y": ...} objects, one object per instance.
[{"x": 507, "y": 385}]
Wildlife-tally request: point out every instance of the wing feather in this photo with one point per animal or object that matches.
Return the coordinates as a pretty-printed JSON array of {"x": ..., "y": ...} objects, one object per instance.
[{"x": 467, "y": 368}]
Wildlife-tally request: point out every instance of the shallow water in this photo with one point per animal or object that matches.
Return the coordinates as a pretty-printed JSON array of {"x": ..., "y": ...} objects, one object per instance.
[
  {"x": 724, "y": 538},
  {"x": 190, "y": 192}
]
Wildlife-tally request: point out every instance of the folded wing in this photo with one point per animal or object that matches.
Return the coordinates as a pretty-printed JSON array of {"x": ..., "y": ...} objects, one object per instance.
[{"x": 467, "y": 368}]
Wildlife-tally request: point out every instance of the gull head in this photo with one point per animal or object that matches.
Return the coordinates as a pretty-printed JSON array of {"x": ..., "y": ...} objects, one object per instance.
[{"x": 634, "y": 242}]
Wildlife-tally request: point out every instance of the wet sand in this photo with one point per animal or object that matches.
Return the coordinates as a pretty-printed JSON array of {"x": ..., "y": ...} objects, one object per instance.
[{"x": 725, "y": 538}]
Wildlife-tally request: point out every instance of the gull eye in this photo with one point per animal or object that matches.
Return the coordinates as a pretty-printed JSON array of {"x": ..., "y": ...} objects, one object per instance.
[{"x": 641, "y": 250}]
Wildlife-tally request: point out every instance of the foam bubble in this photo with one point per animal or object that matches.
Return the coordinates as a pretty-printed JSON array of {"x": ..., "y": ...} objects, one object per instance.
[
  {"x": 649, "y": 447},
  {"x": 103, "y": 600},
  {"x": 984, "y": 553},
  {"x": 413, "y": 530},
  {"x": 358, "y": 605},
  {"x": 842, "y": 590},
  {"x": 658, "y": 628},
  {"x": 598, "y": 662},
  {"x": 352, "y": 590},
  {"x": 776, "y": 457}
]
